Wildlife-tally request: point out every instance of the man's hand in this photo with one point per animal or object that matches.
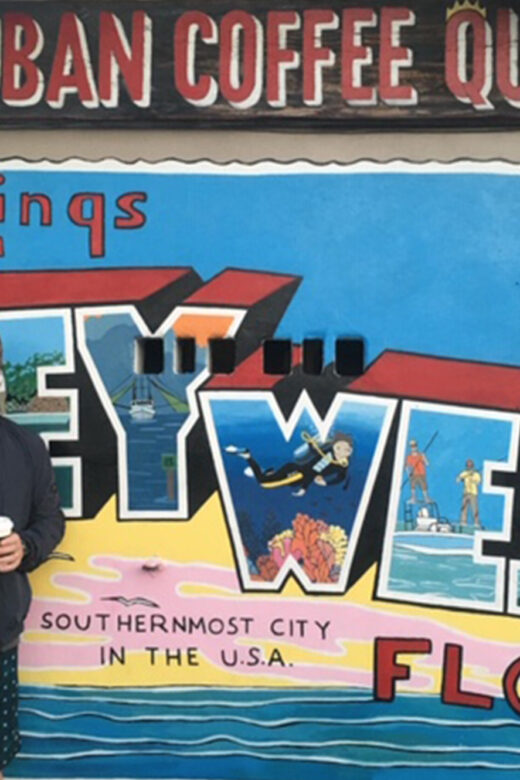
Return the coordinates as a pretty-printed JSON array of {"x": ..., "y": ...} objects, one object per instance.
[
  {"x": 11, "y": 553},
  {"x": 319, "y": 480}
]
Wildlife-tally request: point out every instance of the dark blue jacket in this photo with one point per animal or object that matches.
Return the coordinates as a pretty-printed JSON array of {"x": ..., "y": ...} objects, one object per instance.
[{"x": 28, "y": 495}]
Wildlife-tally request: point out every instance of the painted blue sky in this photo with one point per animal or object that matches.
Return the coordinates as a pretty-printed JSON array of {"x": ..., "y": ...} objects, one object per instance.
[
  {"x": 424, "y": 262},
  {"x": 21, "y": 339}
]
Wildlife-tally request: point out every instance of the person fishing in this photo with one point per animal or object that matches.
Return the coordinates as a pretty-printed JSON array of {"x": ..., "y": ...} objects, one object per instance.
[
  {"x": 416, "y": 465},
  {"x": 327, "y": 464},
  {"x": 471, "y": 479},
  {"x": 31, "y": 525}
]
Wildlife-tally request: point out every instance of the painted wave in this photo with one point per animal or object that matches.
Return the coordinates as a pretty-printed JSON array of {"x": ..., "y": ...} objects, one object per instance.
[{"x": 251, "y": 734}]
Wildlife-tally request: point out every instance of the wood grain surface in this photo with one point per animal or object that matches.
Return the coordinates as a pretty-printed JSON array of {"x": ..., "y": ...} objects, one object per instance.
[{"x": 437, "y": 107}]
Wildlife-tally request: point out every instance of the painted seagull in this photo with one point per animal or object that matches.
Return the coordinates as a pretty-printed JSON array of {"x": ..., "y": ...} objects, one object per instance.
[{"x": 138, "y": 601}]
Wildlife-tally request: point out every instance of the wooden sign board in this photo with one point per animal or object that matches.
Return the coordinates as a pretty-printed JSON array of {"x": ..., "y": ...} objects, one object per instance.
[{"x": 323, "y": 65}]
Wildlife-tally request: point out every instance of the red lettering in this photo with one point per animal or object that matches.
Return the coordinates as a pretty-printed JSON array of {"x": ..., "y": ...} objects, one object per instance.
[
  {"x": 201, "y": 91},
  {"x": 246, "y": 92},
  {"x": 355, "y": 56},
  {"x": 315, "y": 56},
  {"x": 393, "y": 57},
  {"x": 117, "y": 56},
  {"x": 468, "y": 88},
  {"x": 507, "y": 55},
  {"x": 22, "y": 80},
  {"x": 71, "y": 69},
  {"x": 451, "y": 682},
  {"x": 43, "y": 201},
  {"x": 95, "y": 221},
  {"x": 510, "y": 683},
  {"x": 386, "y": 668},
  {"x": 280, "y": 59},
  {"x": 134, "y": 217}
]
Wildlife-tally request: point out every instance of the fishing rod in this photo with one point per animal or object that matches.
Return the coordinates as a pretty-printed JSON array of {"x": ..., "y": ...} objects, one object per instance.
[{"x": 424, "y": 451}]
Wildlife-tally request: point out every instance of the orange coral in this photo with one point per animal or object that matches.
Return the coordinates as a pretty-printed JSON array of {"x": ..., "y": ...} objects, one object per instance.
[
  {"x": 316, "y": 555},
  {"x": 315, "y": 545},
  {"x": 267, "y": 567}
]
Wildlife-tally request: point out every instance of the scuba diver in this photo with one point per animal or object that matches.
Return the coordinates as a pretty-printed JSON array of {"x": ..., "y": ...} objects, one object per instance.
[{"x": 326, "y": 465}]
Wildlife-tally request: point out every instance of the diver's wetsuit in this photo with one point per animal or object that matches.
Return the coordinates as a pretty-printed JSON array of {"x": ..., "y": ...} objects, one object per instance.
[{"x": 301, "y": 474}]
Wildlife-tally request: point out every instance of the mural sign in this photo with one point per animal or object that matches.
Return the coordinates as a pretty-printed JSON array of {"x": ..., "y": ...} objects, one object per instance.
[
  {"x": 327, "y": 65},
  {"x": 268, "y": 571}
]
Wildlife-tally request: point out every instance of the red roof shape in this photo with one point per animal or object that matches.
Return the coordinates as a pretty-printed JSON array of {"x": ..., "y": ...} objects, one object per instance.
[
  {"x": 234, "y": 287},
  {"x": 60, "y": 288},
  {"x": 440, "y": 379}
]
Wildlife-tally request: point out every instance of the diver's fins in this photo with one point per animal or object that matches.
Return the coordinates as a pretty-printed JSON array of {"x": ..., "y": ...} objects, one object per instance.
[{"x": 242, "y": 452}]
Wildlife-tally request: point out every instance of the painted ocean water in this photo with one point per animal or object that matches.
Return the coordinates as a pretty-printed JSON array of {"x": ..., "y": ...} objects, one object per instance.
[
  {"x": 442, "y": 566},
  {"x": 148, "y": 441},
  {"x": 260, "y": 734},
  {"x": 262, "y": 514}
]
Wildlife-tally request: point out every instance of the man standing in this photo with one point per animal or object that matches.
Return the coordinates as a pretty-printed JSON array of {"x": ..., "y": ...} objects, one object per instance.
[
  {"x": 28, "y": 496},
  {"x": 416, "y": 464},
  {"x": 472, "y": 480}
]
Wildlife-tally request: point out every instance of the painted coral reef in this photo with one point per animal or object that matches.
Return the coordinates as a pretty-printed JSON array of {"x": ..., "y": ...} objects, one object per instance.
[{"x": 318, "y": 547}]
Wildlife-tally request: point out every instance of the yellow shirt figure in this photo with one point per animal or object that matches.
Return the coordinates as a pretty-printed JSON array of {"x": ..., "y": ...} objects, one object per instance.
[{"x": 472, "y": 480}]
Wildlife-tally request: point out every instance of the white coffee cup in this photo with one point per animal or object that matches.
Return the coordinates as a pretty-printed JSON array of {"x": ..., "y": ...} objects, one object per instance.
[{"x": 6, "y": 526}]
